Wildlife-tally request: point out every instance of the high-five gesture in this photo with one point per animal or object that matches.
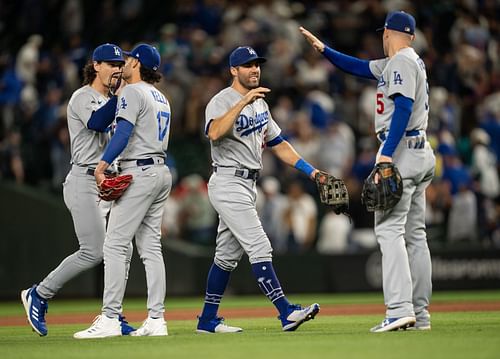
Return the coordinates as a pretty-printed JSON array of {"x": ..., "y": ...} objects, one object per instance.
[{"x": 313, "y": 40}]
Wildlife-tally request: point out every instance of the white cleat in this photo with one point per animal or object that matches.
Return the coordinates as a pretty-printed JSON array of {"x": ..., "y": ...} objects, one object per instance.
[
  {"x": 215, "y": 325},
  {"x": 152, "y": 327},
  {"x": 102, "y": 327},
  {"x": 390, "y": 324}
]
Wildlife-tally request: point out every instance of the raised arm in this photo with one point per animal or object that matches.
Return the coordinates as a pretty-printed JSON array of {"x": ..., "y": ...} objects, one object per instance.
[
  {"x": 219, "y": 126},
  {"x": 349, "y": 64}
]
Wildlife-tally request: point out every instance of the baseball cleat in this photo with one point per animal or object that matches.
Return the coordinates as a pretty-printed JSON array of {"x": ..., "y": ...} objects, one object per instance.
[
  {"x": 419, "y": 326},
  {"x": 390, "y": 324},
  {"x": 152, "y": 327},
  {"x": 297, "y": 315},
  {"x": 215, "y": 325},
  {"x": 102, "y": 327},
  {"x": 126, "y": 328},
  {"x": 35, "y": 307}
]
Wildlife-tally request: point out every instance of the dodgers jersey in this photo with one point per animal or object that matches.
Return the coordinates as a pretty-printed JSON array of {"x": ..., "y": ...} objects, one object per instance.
[
  {"x": 148, "y": 110},
  {"x": 404, "y": 73},
  {"x": 86, "y": 145},
  {"x": 243, "y": 145}
]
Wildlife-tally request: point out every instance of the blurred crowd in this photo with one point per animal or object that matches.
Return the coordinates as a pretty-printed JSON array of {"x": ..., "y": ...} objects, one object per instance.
[{"x": 326, "y": 114}]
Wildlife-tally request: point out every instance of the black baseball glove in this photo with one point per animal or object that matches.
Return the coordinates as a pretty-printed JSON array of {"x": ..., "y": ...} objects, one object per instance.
[
  {"x": 332, "y": 192},
  {"x": 385, "y": 194}
]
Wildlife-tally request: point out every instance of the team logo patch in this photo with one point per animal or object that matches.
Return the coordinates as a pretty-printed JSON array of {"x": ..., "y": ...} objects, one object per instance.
[{"x": 123, "y": 104}]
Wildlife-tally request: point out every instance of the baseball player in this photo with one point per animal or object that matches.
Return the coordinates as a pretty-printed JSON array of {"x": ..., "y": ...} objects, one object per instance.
[
  {"x": 90, "y": 112},
  {"x": 141, "y": 140},
  {"x": 401, "y": 113},
  {"x": 239, "y": 125}
]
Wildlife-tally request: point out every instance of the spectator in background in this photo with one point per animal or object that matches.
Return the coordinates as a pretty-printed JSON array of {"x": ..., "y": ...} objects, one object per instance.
[
  {"x": 272, "y": 213},
  {"x": 484, "y": 164},
  {"x": 11, "y": 163},
  {"x": 197, "y": 218},
  {"x": 337, "y": 149},
  {"x": 10, "y": 93},
  {"x": 300, "y": 218},
  {"x": 484, "y": 170}
]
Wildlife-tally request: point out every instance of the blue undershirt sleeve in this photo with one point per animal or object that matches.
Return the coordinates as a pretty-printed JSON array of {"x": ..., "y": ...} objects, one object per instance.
[
  {"x": 275, "y": 141},
  {"x": 118, "y": 141},
  {"x": 102, "y": 118},
  {"x": 349, "y": 64},
  {"x": 402, "y": 112}
]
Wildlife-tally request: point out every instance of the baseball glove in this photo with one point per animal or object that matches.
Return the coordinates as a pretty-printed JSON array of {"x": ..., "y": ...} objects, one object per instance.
[
  {"x": 385, "y": 194},
  {"x": 332, "y": 192},
  {"x": 113, "y": 188}
]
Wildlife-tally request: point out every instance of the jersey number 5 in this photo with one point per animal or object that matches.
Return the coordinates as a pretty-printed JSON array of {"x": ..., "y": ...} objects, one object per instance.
[
  {"x": 164, "y": 117},
  {"x": 380, "y": 103}
]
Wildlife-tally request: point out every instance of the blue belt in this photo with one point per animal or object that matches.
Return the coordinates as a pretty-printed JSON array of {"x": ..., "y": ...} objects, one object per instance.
[{"x": 381, "y": 135}]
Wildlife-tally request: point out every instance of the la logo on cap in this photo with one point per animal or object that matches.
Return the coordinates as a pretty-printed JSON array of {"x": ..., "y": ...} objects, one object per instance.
[
  {"x": 251, "y": 51},
  {"x": 117, "y": 51}
]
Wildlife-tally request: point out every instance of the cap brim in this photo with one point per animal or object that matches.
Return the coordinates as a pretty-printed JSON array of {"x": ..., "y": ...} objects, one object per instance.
[
  {"x": 380, "y": 29},
  {"x": 259, "y": 60},
  {"x": 127, "y": 53}
]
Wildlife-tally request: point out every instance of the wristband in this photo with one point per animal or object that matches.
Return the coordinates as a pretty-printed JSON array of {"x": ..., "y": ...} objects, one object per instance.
[{"x": 304, "y": 167}]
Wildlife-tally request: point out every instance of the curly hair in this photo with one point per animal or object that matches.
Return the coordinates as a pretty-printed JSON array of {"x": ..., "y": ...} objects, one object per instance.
[
  {"x": 149, "y": 75},
  {"x": 89, "y": 73}
]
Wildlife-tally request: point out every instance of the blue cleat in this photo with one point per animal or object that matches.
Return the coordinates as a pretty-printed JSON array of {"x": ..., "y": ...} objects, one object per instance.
[
  {"x": 126, "y": 328},
  {"x": 35, "y": 307},
  {"x": 297, "y": 315}
]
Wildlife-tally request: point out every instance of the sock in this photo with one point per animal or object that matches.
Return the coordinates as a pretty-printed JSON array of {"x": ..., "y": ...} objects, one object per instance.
[
  {"x": 270, "y": 285},
  {"x": 216, "y": 285}
]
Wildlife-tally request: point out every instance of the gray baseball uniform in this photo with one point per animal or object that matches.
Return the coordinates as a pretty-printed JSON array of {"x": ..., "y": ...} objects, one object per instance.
[
  {"x": 80, "y": 192},
  {"x": 406, "y": 262},
  {"x": 139, "y": 211},
  {"x": 231, "y": 189}
]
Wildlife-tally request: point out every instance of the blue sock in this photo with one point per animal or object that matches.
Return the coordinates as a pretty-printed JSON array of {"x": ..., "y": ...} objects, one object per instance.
[
  {"x": 270, "y": 285},
  {"x": 216, "y": 285}
]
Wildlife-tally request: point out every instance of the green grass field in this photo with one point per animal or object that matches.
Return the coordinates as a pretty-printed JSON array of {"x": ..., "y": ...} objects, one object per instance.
[{"x": 453, "y": 335}]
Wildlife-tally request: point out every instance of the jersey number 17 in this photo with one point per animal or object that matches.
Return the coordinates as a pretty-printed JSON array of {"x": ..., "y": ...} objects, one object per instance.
[{"x": 163, "y": 121}]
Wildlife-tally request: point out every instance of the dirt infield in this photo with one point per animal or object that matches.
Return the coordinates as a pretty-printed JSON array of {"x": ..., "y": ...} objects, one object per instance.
[{"x": 187, "y": 314}]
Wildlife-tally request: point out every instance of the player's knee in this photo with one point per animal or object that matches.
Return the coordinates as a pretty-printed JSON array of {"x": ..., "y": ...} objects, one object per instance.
[
  {"x": 227, "y": 265},
  {"x": 91, "y": 256},
  {"x": 261, "y": 253}
]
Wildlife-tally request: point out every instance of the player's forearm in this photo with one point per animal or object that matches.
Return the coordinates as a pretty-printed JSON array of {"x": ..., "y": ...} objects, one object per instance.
[
  {"x": 286, "y": 153},
  {"x": 102, "y": 118},
  {"x": 102, "y": 166},
  {"x": 220, "y": 126}
]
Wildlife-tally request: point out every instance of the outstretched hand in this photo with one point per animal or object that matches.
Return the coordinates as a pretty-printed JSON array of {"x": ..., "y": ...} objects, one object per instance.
[{"x": 313, "y": 40}]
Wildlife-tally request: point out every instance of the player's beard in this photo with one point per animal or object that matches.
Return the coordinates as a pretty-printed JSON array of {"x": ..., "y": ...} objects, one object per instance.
[{"x": 247, "y": 83}]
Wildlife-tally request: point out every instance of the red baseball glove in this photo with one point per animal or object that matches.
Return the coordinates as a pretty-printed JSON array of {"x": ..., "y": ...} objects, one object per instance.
[{"x": 113, "y": 188}]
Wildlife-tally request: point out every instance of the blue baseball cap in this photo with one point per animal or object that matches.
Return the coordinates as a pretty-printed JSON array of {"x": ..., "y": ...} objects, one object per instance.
[
  {"x": 148, "y": 56},
  {"x": 243, "y": 55},
  {"x": 108, "y": 52},
  {"x": 399, "y": 21}
]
